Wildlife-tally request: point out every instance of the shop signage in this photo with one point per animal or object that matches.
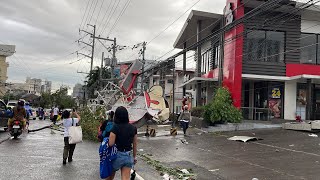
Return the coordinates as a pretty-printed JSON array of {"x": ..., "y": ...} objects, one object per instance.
[
  {"x": 229, "y": 13},
  {"x": 276, "y": 93}
]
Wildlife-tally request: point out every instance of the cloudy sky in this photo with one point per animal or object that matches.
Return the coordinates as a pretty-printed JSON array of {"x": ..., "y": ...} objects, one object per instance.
[{"x": 44, "y": 32}]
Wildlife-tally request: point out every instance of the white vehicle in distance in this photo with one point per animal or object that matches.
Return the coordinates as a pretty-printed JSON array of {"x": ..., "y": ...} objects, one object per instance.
[{"x": 11, "y": 104}]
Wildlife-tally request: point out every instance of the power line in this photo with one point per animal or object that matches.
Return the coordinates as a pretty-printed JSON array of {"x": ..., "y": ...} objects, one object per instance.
[
  {"x": 84, "y": 13},
  {"x": 172, "y": 22},
  {"x": 120, "y": 15},
  {"x": 110, "y": 17}
]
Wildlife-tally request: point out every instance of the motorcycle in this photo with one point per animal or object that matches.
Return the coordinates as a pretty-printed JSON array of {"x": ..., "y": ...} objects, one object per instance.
[{"x": 16, "y": 129}]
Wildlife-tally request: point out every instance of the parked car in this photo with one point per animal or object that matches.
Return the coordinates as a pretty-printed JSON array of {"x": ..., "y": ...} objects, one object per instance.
[
  {"x": 4, "y": 115},
  {"x": 11, "y": 104}
]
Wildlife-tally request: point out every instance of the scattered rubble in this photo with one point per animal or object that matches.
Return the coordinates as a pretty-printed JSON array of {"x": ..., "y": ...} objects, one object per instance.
[
  {"x": 243, "y": 138},
  {"x": 313, "y": 135},
  {"x": 214, "y": 170}
]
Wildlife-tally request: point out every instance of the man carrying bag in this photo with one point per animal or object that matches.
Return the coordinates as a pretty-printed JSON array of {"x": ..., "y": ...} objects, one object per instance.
[{"x": 72, "y": 134}]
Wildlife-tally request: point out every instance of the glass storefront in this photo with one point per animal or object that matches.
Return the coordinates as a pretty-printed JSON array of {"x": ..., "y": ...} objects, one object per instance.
[{"x": 262, "y": 100}]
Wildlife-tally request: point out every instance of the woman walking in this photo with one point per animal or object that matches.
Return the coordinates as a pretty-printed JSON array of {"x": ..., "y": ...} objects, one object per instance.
[
  {"x": 124, "y": 135},
  {"x": 67, "y": 123},
  {"x": 184, "y": 119}
]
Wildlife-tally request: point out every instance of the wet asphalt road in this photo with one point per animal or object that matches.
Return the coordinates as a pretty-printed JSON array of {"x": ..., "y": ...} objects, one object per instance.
[
  {"x": 281, "y": 155},
  {"x": 38, "y": 155}
]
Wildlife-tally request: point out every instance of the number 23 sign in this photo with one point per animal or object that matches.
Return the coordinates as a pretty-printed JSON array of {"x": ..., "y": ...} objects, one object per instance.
[{"x": 276, "y": 93}]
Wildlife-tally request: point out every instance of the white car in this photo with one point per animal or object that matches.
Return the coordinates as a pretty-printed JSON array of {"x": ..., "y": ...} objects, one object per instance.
[{"x": 12, "y": 104}]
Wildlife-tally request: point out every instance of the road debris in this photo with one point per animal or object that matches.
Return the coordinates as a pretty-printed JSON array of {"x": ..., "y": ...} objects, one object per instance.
[
  {"x": 185, "y": 171},
  {"x": 184, "y": 141},
  {"x": 243, "y": 138},
  {"x": 214, "y": 170},
  {"x": 313, "y": 135}
]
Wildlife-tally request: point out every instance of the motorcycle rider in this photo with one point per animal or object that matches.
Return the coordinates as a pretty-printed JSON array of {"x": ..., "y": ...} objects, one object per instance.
[{"x": 19, "y": 113}]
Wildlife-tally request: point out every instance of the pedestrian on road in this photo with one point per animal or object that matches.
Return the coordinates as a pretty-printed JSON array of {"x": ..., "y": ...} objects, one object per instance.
[
  {"x": 67, "y": 123},
  {"x": 55, "y": 114},
  {"x": 124, "y": 135},
  {"x": 184, "y": 119},
  {"x": 106, "y": 126}
]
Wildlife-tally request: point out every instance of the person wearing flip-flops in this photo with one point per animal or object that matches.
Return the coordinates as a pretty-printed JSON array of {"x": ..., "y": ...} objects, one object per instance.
[{"x": 124, "y": 135}]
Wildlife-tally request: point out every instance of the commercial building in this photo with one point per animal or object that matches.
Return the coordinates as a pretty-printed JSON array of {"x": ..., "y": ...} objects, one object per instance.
[
  {"x": 265, "y": 52},
  {"x": 5, "y": 51}
]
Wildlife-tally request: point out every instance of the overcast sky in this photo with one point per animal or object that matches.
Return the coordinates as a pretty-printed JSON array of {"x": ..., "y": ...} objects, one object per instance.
[{"x": 44, "y": 32}]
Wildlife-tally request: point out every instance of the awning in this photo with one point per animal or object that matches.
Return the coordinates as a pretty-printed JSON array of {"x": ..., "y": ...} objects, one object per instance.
[
  {"x": 279, "y": 78},
  {"x": 195, "y": 79}
]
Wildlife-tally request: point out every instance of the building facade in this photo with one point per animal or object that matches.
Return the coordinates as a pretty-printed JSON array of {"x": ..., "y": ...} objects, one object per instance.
[
  {"x": 5, "y": 51},
  {"x": 172, "y": 84},
  {"x": 265, "y": 53}
]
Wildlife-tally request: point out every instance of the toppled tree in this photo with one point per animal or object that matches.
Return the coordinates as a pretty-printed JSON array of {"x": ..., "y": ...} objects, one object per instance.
[{"x": 221, "y": 109}]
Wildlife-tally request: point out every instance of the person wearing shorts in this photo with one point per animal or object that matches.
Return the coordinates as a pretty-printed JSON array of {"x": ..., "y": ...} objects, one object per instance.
[{"x": 124, "y": 135}]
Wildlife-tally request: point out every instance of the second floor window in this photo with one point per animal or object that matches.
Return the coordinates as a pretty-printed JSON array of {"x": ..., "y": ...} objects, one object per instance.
[
  {"x": 265, "y": 46},
  {"x": 308, "y": 49}
]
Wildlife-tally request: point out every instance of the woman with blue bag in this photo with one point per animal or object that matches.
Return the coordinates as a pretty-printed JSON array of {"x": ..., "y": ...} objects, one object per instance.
[{"x": 124, "y": 136}]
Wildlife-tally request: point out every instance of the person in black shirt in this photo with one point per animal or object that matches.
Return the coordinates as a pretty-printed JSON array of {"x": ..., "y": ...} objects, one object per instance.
[{"x": 124, "y": 135}]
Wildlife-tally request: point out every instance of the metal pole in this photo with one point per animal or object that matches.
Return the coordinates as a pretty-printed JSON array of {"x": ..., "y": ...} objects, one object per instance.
[
  {"x": 173, "y": 92},
  {"x": 199, "y": 60},
  {"x": 114, "y": 60},
  {"x": 184, "y": 66},
  {"x": 143, "y": 62},
  {"x": 100, "y": 72},
  {"x": 92, "y": 52}
]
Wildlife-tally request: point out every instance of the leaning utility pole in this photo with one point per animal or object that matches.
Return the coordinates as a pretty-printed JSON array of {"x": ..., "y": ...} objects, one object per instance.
[{"x": 93, "y": 35}]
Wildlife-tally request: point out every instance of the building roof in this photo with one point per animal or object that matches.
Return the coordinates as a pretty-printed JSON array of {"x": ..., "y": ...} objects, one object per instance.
[
  {"x": 189, "y": 30},
  {"x": 7, "y": 50}
]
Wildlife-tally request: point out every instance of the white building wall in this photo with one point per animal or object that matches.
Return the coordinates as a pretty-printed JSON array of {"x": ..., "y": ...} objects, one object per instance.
[
  {"x": 310, "y": 26},
  {"x": 290, "y": 102}
]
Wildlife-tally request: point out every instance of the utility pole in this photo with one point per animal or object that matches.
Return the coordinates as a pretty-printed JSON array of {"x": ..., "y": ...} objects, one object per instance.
[
  {"x": 92, "y": 46},
  {"x": 101, "y": 68},
  {"x": 114, "y": 50},
  {"x": 143, "y": 64}
]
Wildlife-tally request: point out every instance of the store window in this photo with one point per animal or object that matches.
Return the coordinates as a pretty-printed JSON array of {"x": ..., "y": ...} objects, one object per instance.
[
  {"x": 308, "y": 44},
  {"x": 265, "y": 46}
]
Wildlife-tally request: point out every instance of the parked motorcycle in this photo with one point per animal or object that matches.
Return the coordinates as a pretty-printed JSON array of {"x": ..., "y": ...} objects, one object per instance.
[{"x": 16, "y": 129}]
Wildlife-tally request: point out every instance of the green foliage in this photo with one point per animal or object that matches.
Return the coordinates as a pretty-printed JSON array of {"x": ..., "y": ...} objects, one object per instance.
[
  {"x": 90, "y": 123},
  {"x": 198, "y": 111},
  {"x": 62, "y": 99},
  {"x": 221, "y": 109},
  {"x": 93, "y": 82}
]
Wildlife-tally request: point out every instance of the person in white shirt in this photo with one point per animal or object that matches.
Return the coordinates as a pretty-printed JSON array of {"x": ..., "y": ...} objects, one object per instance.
[
  {"x": 55, "y": 114},
  {"x": 67, "y": 123}
]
